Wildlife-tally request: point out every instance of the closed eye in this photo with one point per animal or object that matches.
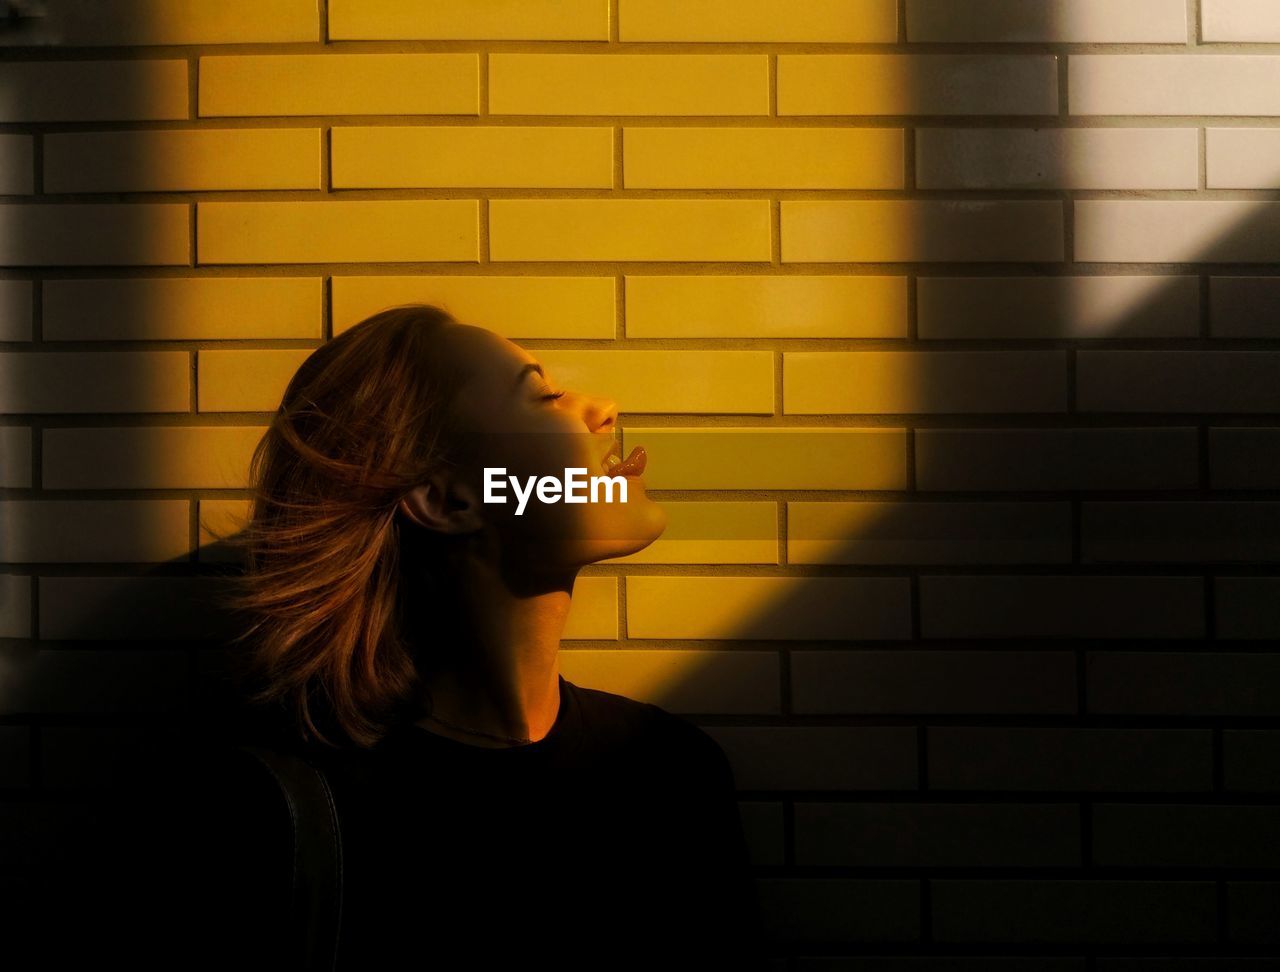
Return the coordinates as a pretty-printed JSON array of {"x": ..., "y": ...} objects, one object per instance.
[{"x": 558, "y": 394}]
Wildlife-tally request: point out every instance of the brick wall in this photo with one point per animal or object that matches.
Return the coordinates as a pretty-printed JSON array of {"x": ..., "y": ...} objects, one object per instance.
[{"x": 949, "y": 326}]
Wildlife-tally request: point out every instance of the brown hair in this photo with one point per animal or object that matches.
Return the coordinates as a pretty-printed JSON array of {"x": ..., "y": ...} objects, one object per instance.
[{"x": 366, "y": 417}]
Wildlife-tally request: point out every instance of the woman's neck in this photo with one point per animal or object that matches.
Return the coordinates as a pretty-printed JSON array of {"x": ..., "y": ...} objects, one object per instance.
[{"x": 489, "y": 658}]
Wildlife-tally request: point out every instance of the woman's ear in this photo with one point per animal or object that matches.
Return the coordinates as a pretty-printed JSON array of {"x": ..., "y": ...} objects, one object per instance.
[{"x": 441, "y": 504}]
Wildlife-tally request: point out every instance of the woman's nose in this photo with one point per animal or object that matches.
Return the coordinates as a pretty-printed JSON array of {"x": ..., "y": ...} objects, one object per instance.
[{"x": 604, "y": 413}]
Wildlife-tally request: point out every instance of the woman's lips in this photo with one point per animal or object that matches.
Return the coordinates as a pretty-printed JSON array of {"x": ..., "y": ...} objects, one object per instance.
[{"x": 633, "y": 465}]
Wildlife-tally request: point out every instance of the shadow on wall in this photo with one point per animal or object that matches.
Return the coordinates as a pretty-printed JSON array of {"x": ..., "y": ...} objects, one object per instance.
[{"x": 982, "y": 570}]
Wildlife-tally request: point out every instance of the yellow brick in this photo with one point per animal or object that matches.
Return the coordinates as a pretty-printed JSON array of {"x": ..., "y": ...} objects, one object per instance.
[
  {"x": 683, "y": 681},
  {"x": 468, "y": 20},
  {"x": 182, "y": 308},
  {"x": 356, "y": 231},
  {"x": 120, "y": 23},
  {"x": 17, "y": 298},
  {"x": 925, "y": 382},
  {"x": 760, "y": 306},
  {"x": 15, "y": 606},
  {"x": 628, "y": 84},
  {"x": 668, "y": 381},
  {"x": 340, "y": 84},
  {"x": 515, "y": 307},
  {"x": 164, "y": 457},
  {"x": 917, "y": 84},
  {"x": 883, "y": 230},
  {"x": 821, "y": 21},
  {"x": 17, "y": 166},
  {"x": 712, "y": 533},
  {"x": 118, "y": 234},
  {"x": 180, "y": 161},
  {"x": 771, "y": 457},
  {"x": 15, "y": 457},
  {"x": 629, "y": 229},
  {"x": 246, "y": 381},
  {"x": 95, "y": 381},
  {"x": 92, "y": 531},
  {"x": 928, "y": 533},
  {"x": 388, "y": 157},
  {"x": 768, "y": 608},
  {"x": 593, "y": 613},
  {"x": 762, "y": 158},
  {"x": 139, "y": 89}
]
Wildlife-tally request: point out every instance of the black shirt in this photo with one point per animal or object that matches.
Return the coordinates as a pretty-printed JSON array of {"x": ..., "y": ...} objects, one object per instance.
[{"x": 613, "y": 842}]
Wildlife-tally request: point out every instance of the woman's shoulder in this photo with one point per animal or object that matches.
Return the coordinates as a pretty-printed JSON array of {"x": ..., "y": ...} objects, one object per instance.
[
  {"x": 224, "y": 777},
  {"x": 652, "y": 729}
]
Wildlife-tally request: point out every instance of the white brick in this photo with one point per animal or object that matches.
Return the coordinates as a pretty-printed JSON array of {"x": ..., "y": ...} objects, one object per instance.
[
  {"x": 15, "y": 606},
  {"x": 131, "y": 608},
  {"x": 134, "y": 89},
  {"x": 15, "y": 457},
  {"x": 94, "y": 531},
  {"x": 1244, "y": 306},
  {"x": 16, "y": 297},
  {"x": 1173, "y": 84},
  {"x": 928, "y": 533},
  {"x": 1243, "y": 158},
  {"x": 55, "y": 234},
  {"x": 17, "y": 168},
  {"x": 1240, "y": 20},
  {"x": 1160, "y": 231},
  {"x": 1057, "y": 158},
  {"x": 1049, "y": 21},
  {"x": 1110, "y": 306},
  {"x": 94, "y": 381},
  {"x": 1177, "y": 381}
]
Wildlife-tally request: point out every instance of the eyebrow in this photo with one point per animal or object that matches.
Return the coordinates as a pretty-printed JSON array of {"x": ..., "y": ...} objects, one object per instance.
[{"x": 526, "y": 370}]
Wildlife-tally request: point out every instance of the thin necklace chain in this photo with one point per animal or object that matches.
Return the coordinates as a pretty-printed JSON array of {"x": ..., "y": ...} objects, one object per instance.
[{"x": 481, "y": 732}]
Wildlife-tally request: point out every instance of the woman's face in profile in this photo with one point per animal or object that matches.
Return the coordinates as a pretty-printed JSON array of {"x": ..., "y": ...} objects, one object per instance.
[{"x": 519, "y": 422}]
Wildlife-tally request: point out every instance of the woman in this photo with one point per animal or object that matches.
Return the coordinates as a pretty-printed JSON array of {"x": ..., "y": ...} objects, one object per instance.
[{"x": 491, "y": 810}]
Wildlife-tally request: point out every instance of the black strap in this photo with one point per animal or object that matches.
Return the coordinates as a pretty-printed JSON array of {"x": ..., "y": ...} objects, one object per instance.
[{"x": 316, "y": 904}]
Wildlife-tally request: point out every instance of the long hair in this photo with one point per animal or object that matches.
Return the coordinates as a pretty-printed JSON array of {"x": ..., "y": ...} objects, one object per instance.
[{"x": 366, "y": 417}]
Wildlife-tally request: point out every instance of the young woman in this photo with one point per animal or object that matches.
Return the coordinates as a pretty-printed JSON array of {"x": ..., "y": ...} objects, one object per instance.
[{"x": 491, "y": 811}]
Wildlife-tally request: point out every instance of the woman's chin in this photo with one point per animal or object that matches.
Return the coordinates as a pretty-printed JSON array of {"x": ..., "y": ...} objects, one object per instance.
[{"x": 625, "y": 535}]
